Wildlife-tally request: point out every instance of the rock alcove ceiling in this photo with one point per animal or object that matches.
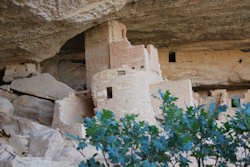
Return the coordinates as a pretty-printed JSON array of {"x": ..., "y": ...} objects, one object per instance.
[{"x": 36, "y": 30}]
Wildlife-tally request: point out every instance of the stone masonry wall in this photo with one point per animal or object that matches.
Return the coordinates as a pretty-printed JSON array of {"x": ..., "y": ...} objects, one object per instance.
[
  {"x": 129, "y": 93},
  {"x": 222, "y": 97},
  {"x": 181, "y": 89},
  {"x": 97, "y": 50},
  {"x": 107, "y": 47},
  {"x": 208, "y": 67}
]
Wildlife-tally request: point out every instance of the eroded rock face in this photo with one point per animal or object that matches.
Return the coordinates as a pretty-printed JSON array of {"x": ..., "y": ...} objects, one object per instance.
[
  {"x": 35, "y": 30},
  {"x": 193, "y": 25},
  {"x": 69, "y": 69},
  {"x": 6, "y": 107},
  {"x": 16, "y": 71},
  {"x": 7, "y": 94},
  {"x": 17, "y": 125},
  {"x": 20, "y": 143},
  {"x": 71, "y": 154},
  {"x": 6, "y": 153},
  {"x": 37, "y": 109},
  {"x": 36, "y": 162},
  {"x": 46, "y": 144},
  {"x": 43, "y": 85}
]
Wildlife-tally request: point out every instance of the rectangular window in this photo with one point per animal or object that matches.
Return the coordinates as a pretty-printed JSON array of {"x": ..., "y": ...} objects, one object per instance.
[
  {"x": 121, "y": 72},
  {"x": 172, "y": 57},
  {"x": 109, "y": 93}
]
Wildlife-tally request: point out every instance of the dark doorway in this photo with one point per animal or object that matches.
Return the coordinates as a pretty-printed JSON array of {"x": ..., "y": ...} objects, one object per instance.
[
  {"x": 172, "y": 57},
  {"x": 109, "y": 93}
]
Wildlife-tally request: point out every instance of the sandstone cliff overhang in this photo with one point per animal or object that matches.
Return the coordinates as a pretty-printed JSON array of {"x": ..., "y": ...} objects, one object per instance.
[{"x": 34, "y": 31}]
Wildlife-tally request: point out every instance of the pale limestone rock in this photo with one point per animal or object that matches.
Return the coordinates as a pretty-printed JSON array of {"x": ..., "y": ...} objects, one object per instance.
[
  {"x": 7, "y": 94},
  {"x": 36, "y": 162},
  {"x": 67, "y": 68},
  {"x": 17, "y": 125},
  {"x": 34, "y": 108},
  {"x": 70, "y": 112},
  {"x": 16, "y": 71},
  {"x": 46, "y": 144},
  {"x": 6, "y": 107},
  {"x": 6, "y": 112},
  {"x": 6, "y": 153},
  {"x": 43, "y": 85},
  {"x": 5, "y": 87},
  {"x": 181, "y": 24},
  {"x": 70, "y": 154},
  {"x": 27, "y": 126},
  {"x": 20, "y": 143},
  {"x": 90, "y": 150}
]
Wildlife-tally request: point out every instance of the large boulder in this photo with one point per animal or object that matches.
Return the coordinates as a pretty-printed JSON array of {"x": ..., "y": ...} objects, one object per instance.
[
  {"x": 6, "y": 107},
  {"x": 16, "y": 71},
  {"x": 70, "y": 154},
  {"x": 67, "y": 68},
  {"x": 34, "y": 108},
  {"x": 20, "y": 143},
  {"x": 43, "y": 85},
  {"x": 46, "y": 144},
  {"x": 7, "y": 94},
  {"x": 17, "y": 125},
  {"x": 36, "y": 162},
  {"x": 6, "y": 152},
  {"x": 6, "y": 111}
]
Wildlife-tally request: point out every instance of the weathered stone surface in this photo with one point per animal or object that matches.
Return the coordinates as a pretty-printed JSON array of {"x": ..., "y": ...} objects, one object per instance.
[
  {"x": 6, "y": 107},
  {"x": 36, "y": 162},
  {"x": 193, "y": 25},
  {"x": 181, "y": 89},
  {"x": 123, "y": 93},
  {"x": 17, "y": 71},
  {"x": 229, "y": 67},
  {"x": 7, "y": 94},
  {"x": 70, "y": 154},
  {"x": 43, "y": 85},
  {"x": 36, "y": 31},
  {"x": 90, "y": 150},
  {"x": 37, "y": 109},
  {"x": 32, "y": 30},
  {"x": 68, "y": 68},
  {"x": 6, "y": 153},
  {"x": 46, "y": 144},
  {"x": 16, "y": 125},
  {"x": 70, "y": 112},
  {"x": 20, "y": 143}
]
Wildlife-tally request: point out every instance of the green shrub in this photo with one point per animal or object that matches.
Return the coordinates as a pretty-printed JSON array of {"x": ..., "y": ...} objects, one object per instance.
[{"x": 180, "y": 137}]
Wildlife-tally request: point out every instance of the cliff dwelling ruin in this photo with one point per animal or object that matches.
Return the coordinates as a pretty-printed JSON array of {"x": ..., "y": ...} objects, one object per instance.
[{"x": 62, "y": 61}]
